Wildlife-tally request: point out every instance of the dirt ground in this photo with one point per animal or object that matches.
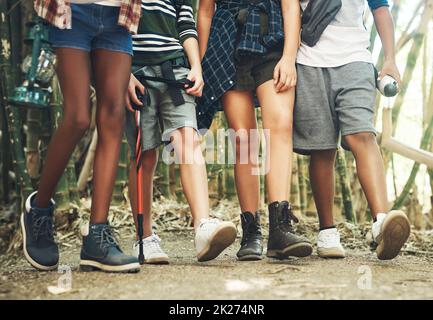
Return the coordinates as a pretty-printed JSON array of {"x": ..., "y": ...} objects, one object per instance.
[{"x": 359, "y": 276}]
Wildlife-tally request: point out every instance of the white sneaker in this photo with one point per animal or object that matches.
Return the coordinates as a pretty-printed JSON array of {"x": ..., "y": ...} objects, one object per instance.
[
  {"x": 212, "y": 237},
  {"x": 153, "y": 254},
  {"x": 328, "y": 244},
  {"x": 390, "y": 232}
]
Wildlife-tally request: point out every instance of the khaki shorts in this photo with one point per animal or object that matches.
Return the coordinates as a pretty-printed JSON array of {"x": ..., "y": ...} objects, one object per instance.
[{"x": 161, "y": 118}]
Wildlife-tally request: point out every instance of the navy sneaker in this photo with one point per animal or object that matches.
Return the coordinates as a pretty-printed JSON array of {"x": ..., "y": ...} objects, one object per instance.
[
  {"x": 40, "y": 249},
  {"x": 101, "y": 251}
]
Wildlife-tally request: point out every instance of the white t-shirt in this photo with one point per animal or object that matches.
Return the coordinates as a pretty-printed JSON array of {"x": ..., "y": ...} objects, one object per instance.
[
  {"x": 111, "y": 3},
  {"x": 344, "y": 41}
]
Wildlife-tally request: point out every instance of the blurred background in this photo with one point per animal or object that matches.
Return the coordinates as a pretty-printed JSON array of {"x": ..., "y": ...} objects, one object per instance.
[{"x": 31, "y": 109}]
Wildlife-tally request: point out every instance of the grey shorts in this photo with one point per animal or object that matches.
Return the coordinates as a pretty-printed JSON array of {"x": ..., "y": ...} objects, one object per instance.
[
  {"x": 161, "y": 118},
  {"x": 332, "y": 103}
]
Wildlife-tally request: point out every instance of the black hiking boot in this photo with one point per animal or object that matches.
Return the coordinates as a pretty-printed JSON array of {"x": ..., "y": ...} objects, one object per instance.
[
  {"x": 283, "y": 242},
  {"x": 251, "y": 243},
  {"x": 40, "y": 249},
  {"x": 101, "y": 251}
]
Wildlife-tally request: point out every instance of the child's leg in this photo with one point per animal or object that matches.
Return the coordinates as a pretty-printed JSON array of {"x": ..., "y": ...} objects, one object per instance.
[
  {"x": 322, "y": 185},
  {"x": 277, "y": 115},
  {"x": 239, "y": 111},
  {"x": 193, "y": 174},
  {"x": 150, "y": 159},
  {"x": 73, "y": 70},
  {"x": 111, "y": 72},
  {"x": 370, "y": 170}
]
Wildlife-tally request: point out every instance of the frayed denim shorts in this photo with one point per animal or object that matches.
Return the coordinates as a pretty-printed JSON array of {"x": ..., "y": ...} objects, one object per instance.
[{"x": 93, "y": 27}]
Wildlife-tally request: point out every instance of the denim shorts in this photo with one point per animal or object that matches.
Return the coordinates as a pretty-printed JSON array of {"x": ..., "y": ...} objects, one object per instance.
[{"x": 93, "y": 27}]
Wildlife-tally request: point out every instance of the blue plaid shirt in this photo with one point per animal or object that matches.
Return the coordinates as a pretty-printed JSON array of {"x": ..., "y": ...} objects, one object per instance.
[{"x": 219, "y": 67}]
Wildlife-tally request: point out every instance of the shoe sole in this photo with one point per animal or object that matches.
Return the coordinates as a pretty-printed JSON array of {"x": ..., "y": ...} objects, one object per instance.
[
  {"x": 90, "y": 265},
  {"x": 331, "y": 253},
  {"x": 221, "y": 238},
  {"x": 395, "y": 232},
  {"x": 250, "y": 257},
  {"x": 299, "y": 250},
  {"x": 156, "y": 261},
  {"x": 29, "y": 259}
]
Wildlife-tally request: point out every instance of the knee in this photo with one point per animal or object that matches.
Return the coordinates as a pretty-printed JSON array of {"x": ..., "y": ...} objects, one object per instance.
[
  {"x": 323, "y": 158},
  {"x": 362, "y": 139},
  {"x": 282, "y": 127},
  {"x": 111, "y": 116},
  {"x": 76, "y": 123},
  {"x": 150, "y": 160},
  {"x": 185, "y": 140}
]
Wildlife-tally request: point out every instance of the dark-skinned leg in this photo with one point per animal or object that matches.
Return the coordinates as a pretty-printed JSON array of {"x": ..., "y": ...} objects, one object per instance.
[
  {"x": 111, "y": 72},
  {"x": 322, "y": 184},
  {"x": 73, "y": 71}
]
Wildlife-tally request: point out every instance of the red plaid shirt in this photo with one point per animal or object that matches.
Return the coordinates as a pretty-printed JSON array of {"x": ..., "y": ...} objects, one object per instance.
[{"x": 58, "y": 13}]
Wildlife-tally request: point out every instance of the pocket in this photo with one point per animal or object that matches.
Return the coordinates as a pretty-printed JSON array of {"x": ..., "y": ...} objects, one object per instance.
[{"x": 180, "y": 72}]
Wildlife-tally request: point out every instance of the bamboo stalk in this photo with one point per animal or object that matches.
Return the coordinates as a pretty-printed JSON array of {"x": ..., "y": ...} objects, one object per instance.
[
  {"x": 426, "y": 140},
  {"x": 412, "y": 59},
  {"x": 122, "y": 174},
  {"x": 34, "y": 123},
  {"x": 5, "y": 155},
  {"x": 163, "y": 176},
  {"x": 294, "y": 196},
  {"x": 88, "y": 163},
  {"x": 302, "y": 181},
  {"x": 8, "y": 80},
  {"x": 72, "y": 182},
  {"x": 346, "y": 190}
]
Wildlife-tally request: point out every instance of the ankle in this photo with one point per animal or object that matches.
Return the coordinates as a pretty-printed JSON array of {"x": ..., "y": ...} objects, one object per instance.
[{"x": 326, "y": 227}]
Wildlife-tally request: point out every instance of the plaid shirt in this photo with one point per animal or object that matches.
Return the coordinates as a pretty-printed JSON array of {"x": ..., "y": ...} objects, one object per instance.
[
  {"x": 219, "y": 65},
  {"x": 58, "y": 13}
]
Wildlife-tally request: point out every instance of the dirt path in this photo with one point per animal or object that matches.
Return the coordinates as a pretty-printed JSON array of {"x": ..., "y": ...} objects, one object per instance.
[{"x": 225, "y": 278}]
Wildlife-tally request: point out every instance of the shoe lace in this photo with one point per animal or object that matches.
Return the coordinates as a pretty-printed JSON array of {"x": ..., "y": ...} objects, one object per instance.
[
  {"x": 288, "y": 217},
  {"x": 205, "y": 223},
  {"x": 154, "y": 242},
  {"x": 106, "y": 238},
  {"x": 330, "y": 238},
  {"x": 42, "y": 226},
  {"x": 250, "y": 231}
]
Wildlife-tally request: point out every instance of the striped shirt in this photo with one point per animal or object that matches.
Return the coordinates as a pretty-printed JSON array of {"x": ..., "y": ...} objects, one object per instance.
[
  {"x": 58, "y": 13},
  {"x": 164, "y": 26}
]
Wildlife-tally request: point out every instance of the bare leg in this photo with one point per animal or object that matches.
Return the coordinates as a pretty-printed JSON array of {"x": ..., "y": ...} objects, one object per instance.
[
  {"x": 73, "y": 70},
  {"x": 112, "y": 72},
  {"x": 192, "y": 172},
  {"x": 277, "y": 115},
  {"x": 322, "y": 184},
  {"x": 371, "y": 173},
  {"x": 150, "y": 159},
  {"x": 239, "y": 110}
]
